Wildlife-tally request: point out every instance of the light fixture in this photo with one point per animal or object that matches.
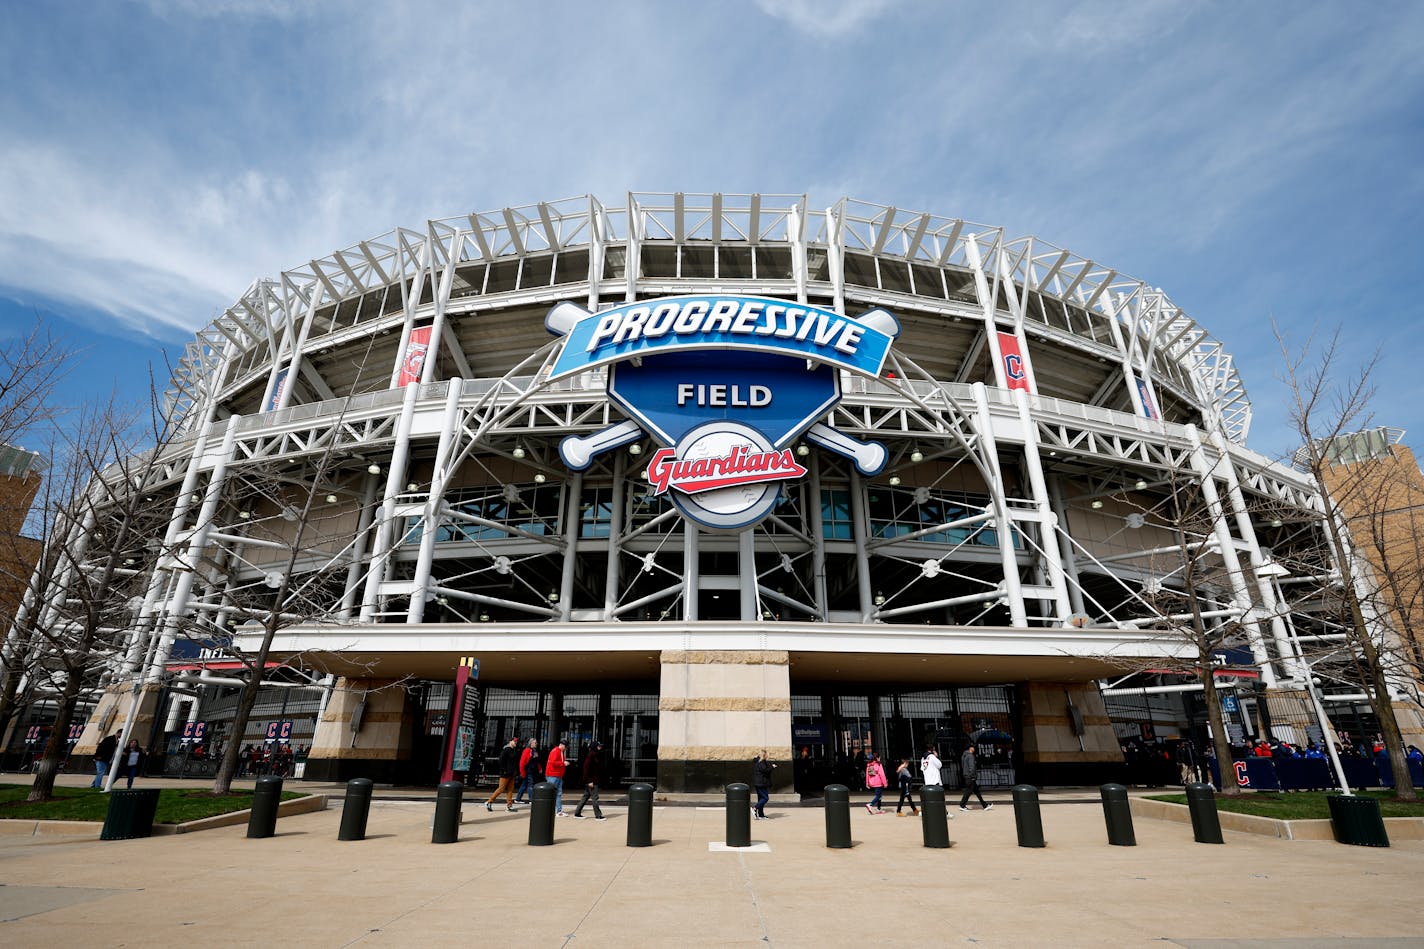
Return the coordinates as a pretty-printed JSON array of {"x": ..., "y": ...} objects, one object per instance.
[
  {"x": 879, "y": 598},
  {"x": 519, "y": 451},
  {"x": 1097, "y": 504},
  {"x": 539, "y": 477},
  {"x": 244, "y": 514},
  {"x": 411, "y": 486},
  {"x": 635, "y": 449},
  {"x": 1276, "y": 522},
  {"x": 373, "y": 469},
  {"x": 803, "y": 449},
  {"x": 894, "y": 480},
  {"x": 442, "y": 601},
  {"x": 331, "y": 499},
  {"x": 1140, "y": 485},
  {"x": 484, "y": 618},
  {"x": 553, "y": 596},
  {"x": 917, "y": 456}
]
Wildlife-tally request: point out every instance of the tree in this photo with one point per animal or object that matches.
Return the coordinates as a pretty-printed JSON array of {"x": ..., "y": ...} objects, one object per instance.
[{"x": 1326, "y": 403}]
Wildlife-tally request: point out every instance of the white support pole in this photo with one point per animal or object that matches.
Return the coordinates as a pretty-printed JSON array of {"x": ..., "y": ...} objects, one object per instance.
[
  {"x": 818, "y": 540},
  {"x": 384, "y": 526},
  {"x": 369, "y": 484},
  {"x": 1066, "y": 554},
  {"x": 1226, "y": 546},
  {"x": 1048, "y": 520},
  {"x": 573, "y": 524},
  {"x": 1013, "y": 588},
  {"x": 294, "y": 367},
  {"x": 410, "y": 299},
  {"x": 442, "y": 301},
  {"x": 435, "y": 501},
  {"x": 988, "y": 299},
  {"x": 615, "y": 536},
  {"x": 860, "y": 531},
  {"x": 746, "y": 566}
]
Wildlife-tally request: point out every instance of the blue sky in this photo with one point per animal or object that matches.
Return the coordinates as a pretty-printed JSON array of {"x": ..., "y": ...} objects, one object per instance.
[{"x": 1254, "y": 160}]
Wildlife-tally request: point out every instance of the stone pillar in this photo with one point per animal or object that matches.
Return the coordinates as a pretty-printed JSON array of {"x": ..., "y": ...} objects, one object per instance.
[
  {"x": 1411, "y": 723},
  {"x": 717, "y": 710},
  {"x": 379, "y": 747},
  {"x": 108, "y": 718},
  {"x": 1052, "y": 753}
]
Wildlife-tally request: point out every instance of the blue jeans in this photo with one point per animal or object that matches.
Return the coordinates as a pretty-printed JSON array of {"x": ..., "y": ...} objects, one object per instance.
[
  {"x": 526, "y": 789},
  {"x": 875, "y": 801},
  {"x": 763, "y": 795},
  {"x": 558, "y": 784},
  {"x": 101, "y": 768}
]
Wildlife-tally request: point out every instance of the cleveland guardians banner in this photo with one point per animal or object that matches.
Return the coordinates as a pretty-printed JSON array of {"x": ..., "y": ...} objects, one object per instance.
[
  {"x": 413, "y": 361},
  {"x": 1012, "y": 354},
  {"x": 276, "y": 397},
  {"x": 1149, "y": 408}
]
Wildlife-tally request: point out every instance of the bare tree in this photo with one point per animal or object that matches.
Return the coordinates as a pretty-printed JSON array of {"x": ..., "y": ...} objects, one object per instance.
[
  {"x": 31, "y": 365},
  {"x": 1327, "y": 402}
]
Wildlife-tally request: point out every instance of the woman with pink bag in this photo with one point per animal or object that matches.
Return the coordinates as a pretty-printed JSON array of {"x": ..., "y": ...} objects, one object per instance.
[{"x": 875, "y": 780}]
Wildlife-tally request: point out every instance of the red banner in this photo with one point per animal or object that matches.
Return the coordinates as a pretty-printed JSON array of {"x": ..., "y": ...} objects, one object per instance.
[
  {"x": 1015, "y": 372},
  {"x": 413, "y": 361}
]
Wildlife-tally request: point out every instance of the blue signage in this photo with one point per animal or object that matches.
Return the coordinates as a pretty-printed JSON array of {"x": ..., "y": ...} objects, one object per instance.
[
  {"x": 1228, "y": 704},
  {"x": 725, "y": 322}
]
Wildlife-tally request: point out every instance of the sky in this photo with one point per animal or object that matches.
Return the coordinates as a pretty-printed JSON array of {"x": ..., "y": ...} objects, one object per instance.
[{"x": 1257, "y": 161}]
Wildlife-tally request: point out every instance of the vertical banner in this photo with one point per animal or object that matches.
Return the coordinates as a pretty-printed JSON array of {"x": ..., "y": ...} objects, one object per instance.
[
  {"x": 413, "y": 359},
  {"x": 276, "y": 398},
  {"x": 1014, "y": 370},
  {"x": 460, "y": 735},
  {"x": 1149, "y": 408}
]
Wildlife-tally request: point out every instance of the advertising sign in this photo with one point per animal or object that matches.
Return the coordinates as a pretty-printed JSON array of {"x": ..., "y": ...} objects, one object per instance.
[
  {"x": 1015, "y": 373},
  {"x": 726, "y": 384},
  {"x": 464, "y": 715},
  {"x": 276, "y": 398},
  {"x": 413, "y": 359},
  {"x": 1149, "y": 408}
]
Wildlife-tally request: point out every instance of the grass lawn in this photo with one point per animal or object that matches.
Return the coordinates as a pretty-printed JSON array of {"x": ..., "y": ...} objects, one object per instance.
[
  {"x": 1299, "y": 805},
  {"x": 175, "y": 805}
]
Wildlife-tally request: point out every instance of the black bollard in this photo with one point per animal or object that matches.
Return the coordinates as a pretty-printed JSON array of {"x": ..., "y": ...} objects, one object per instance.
[
  {"x": 541, "y": 816},
  {"x": 1027, "y": 817},
  {"x": 355, "y": 809},
  {"x": 934, "y": 819},
  {"x": 266, "y": 797},
  {"x": 1118, "y": 815},
  {"x": 837, "y": 817},
  {"x": 640, "y": 815},
  {"x": 739, "y": 815},
  {"x": 1206, "y": 824},
  {"x": 448, "y": 798}
]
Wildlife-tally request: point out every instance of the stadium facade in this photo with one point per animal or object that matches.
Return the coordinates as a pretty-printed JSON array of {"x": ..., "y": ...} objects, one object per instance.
[{"x": 700, "y": 475}]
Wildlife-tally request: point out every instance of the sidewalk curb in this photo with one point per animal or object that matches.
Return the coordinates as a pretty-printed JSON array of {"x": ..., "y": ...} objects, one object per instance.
[
  {"x": 1399, "y": 828},
  {"x": 30, "y": 827}
]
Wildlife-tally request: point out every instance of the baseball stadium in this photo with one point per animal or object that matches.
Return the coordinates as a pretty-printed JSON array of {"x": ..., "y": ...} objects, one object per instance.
[{"x": 701, "y": 475}]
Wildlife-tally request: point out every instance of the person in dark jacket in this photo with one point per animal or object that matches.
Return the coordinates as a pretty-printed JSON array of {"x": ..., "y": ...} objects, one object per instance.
[
  {"x": 131, "y": 761},
  {"x": 592, "y": 775},
  {"x": 508, "y": 776},
  {"x": 761, "y": 778},
  {"x": 103, "y": 757},
  {"x": 906, "y": 780},
  {"x": 969, "y": 770}
]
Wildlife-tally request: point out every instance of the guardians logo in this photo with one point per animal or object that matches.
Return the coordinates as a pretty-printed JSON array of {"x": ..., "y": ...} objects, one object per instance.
[{"x": 726, "y": 384}]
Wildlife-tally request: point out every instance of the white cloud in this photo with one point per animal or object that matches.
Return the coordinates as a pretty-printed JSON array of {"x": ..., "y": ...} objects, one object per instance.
[{"x": 825, "y": 19}]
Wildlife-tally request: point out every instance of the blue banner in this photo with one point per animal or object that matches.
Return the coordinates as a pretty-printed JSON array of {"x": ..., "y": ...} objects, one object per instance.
[{"x": 727, "y": 322}]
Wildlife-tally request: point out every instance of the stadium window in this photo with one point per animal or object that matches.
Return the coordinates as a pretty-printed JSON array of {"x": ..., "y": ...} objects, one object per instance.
[
  {"x": 596, "y": 512},
  {"x": 836, "y": 519},
  {"x": 734, "y": 263},
  {"x": 773, "y": 263}
]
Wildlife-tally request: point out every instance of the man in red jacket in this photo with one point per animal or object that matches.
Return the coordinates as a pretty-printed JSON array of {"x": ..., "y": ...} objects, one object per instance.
[{"x": 554, "y": 773}]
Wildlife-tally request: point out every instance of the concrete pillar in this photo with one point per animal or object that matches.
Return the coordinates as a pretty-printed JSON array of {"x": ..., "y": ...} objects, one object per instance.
[
  {"x": 1052, "y": 753},
  {"x": 380, "y": 744}
]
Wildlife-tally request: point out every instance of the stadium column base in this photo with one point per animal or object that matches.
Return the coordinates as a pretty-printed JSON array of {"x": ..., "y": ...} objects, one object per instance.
[
  {"x": 109, "y": 716},
  {"x": 1411, "y": 723},
  {"x": 717, "y": 710},
  {"x": 382, "y": 743},
  {"x": 1051, "y": 752}
]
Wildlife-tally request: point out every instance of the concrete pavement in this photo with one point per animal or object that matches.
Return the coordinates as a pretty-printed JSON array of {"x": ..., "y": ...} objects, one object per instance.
[{"x": 305, "y": 888}]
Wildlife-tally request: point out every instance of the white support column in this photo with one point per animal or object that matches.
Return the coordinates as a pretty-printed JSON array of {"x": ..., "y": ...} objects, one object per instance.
[
  {"x": 632, "y": 263},
  {"x": 615, "y": 536},
  {"x": 1048, "y": 520},
  {"x": 1124, "y": 353},
  {"x": 691, "y": 570},
  {"x": 988, "y": 298},
  {"x": 381, "y": 540},
  {"x": 818, "y": 540},
  {"x": 835, "y": 254},
  {"x": 1226, "y": 546},
  {"x": 860, "y": 530},
  {"x": 1065, "y": 547},
  {"x": 1013, "y": 588},
  {"x": 367, "y": 513},
  {"x": 442, "y": 301},
  {"x": 435, "y": 502},
  {"x": 746, "y": 567},
  {"x": 796, "y": 235},
  {"x": 595, "y": 251},
  {"x": 410, "y": 299},
  {"x": 294, "y": 367}
]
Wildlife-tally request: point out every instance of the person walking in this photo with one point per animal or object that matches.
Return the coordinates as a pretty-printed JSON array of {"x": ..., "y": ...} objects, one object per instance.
[
  {"x": 592, "y": 775},
  {"x": 906, "y": 781},
  {"x": 761, "y": 779},
  {"x": 103, "y": 757},
  {"x": 508, "y": 776},
  {"x": 875, "y": 781},
  {"x": 930, "y": 766},
  {"x": 130, "y": 761},
  {"x": 528, "y": 772},
  {"x": 554, "y": 767},
  {"x": 969, "y": 769}
]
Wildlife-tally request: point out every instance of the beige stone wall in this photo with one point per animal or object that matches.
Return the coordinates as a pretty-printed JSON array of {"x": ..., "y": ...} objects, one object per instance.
[
  {"x": 382, "y": 736},
  {"x": 1047, "y": 728},
  {"x": 724, "y": 706},
  {"x": 114, "y": 705}
]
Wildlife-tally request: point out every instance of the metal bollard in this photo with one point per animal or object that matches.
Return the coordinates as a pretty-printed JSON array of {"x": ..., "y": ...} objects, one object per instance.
[
  {"x": 448, "y": 798},
  {"x": 1206, "y": 824},
  {"x": 739, "y": 815},
  {"x": 541, "y": 816},
  {"x": 355, "y": 809},
  {"x": 263, "y": 821},
  {"x": 640, "y": 815},
  {"x": 934, "y": 819},
  {"x": 1118, "y": 815},
  {"x": 837, "y": 817},
  {"x": 1027, "y": 816}
]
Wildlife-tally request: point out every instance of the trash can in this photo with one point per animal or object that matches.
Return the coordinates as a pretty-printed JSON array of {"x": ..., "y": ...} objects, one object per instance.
[
  {"x": 130, "y": 814},
  {"x": 1357, "y": 820}
]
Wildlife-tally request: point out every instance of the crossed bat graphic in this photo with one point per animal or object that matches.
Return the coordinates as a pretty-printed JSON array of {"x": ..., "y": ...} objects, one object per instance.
[{"x": 578, "y": 451}]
